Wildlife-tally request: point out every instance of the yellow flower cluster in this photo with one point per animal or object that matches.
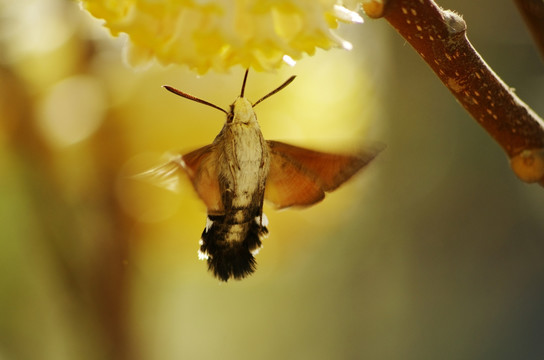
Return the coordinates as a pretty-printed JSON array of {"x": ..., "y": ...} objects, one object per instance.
[{"x": 218, "y": 34}]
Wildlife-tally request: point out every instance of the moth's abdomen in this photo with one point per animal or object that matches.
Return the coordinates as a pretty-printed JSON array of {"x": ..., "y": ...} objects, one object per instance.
[{"x": 229, "y": 245}]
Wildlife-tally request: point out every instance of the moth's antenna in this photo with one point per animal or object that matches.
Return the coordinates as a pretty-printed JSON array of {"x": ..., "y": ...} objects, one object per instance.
[
  {"x": 287, "y": 82},
  {"x": 191, "y": 97},
  {"x": 244, "y": 84}
]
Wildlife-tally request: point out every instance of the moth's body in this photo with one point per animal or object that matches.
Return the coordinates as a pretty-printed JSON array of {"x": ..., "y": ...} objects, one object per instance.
[
  {"x": 244, "y": 159},
  {"x": 239, "y": 170},
  {"x": 243, "y": 162}
]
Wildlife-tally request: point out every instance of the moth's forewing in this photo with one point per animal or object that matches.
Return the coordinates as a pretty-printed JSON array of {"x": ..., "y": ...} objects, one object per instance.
[
  {"x": 299, "y": 177},
  {"x": 201, "y": 167},
  {"x": 165, "y": 175},
  {"x": 289, "y": 184}
]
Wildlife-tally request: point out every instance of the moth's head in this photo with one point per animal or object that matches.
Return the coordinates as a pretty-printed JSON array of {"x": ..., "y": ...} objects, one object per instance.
[{"x": 241, "y": 111}]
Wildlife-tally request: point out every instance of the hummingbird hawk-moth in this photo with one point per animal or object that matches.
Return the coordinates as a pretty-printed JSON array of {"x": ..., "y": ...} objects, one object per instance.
[{"x": 239, "y": 170}]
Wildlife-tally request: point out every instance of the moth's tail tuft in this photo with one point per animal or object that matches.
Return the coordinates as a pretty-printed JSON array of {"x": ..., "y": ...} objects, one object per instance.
[
  {"x": 227, "y": 258},
  {"x": 234, "y": 261}
]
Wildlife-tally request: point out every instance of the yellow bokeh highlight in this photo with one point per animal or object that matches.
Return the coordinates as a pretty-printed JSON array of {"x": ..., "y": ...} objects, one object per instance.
[{"x": 72, "y": 111}]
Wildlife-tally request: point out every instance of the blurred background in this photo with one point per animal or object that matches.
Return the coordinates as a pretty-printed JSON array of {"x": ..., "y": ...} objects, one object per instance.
[{"x": 434, "y": 251}]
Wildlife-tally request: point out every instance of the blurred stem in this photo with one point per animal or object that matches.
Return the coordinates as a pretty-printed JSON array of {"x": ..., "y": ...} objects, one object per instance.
[
  {"x": 533, "y": 14},
  {"x": 439, "y": 36},
  {"x": 87, "y": 239}
]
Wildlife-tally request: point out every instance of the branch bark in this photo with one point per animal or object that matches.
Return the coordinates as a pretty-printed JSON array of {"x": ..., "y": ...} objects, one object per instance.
[{"x": 439, "y": 36}]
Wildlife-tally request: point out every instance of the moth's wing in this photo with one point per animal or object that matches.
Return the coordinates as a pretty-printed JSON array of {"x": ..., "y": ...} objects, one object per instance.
[
  {"x": 289, "y": 184},
  {"x": 200, "y": 166},
  {"x": 300, "y": 177},
  {"x": 165, "y": 175}
]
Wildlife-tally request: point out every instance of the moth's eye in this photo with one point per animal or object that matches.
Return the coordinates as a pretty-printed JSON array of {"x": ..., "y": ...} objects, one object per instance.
[{"x": 230, "y": 116}]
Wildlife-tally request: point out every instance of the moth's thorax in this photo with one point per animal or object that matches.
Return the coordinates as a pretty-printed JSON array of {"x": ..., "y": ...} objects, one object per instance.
[
  {"x": 243, "y": 160},
  {"x": 247, "y": 162},
  {"x": 242, "y": 111}
]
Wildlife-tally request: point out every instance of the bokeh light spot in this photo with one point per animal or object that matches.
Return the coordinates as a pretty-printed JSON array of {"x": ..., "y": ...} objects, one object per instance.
[{"x": 72, "y": 111}]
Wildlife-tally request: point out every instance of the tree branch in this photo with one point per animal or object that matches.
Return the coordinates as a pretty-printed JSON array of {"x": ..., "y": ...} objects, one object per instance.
[
  {"x": 533, "y": 14},
  {"x": 439, "y": 36}
]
